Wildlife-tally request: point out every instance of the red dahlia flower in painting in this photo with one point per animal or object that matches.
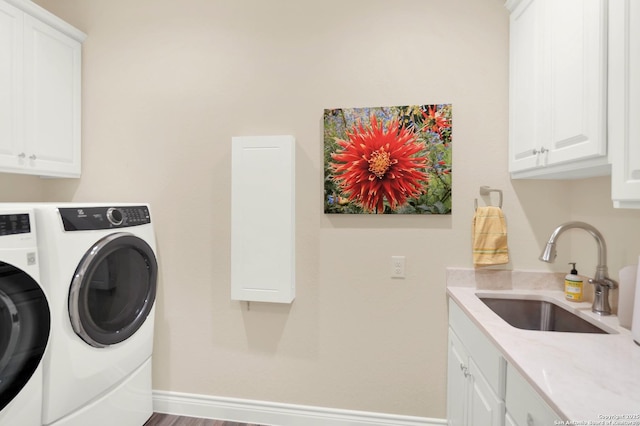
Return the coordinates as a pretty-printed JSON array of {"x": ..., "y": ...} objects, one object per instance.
[{"x": 375, "y": 164}]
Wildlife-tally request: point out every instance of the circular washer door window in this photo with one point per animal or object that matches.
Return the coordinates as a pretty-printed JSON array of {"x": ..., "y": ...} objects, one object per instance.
[
  {"x": 113, "y": 289},
  {"x": 24, "y": 330}
]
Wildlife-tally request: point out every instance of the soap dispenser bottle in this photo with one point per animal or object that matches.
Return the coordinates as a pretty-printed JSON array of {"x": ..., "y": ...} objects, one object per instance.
[{"x": 573, "y": 285}]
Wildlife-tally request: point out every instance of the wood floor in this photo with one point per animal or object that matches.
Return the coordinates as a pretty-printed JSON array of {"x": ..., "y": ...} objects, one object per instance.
[{"x": 169, "y": 420}]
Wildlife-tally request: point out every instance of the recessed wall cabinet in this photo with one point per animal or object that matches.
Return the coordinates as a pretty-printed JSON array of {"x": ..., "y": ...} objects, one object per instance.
[
  {"x": 482, "y": 388},
  {"x": 40, "y": 66},
  {"x": 624, "y": 102},
  {"x": 558, "y": 89},
  {"x": 263, "y": 248}
]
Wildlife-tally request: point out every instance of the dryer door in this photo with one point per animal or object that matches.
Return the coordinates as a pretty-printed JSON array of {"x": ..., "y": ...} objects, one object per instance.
[
  {"x": 24, "y": 330},
  {"x": 113, "y": 289}
]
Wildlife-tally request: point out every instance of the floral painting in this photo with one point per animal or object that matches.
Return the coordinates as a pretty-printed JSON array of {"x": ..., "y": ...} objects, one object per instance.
[{"x": 388, "y": 160}]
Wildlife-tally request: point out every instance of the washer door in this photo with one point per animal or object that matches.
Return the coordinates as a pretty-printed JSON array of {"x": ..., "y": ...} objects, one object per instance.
[
  {"x": 113, "y": 289},
  {"x": 24, "y": 330}
]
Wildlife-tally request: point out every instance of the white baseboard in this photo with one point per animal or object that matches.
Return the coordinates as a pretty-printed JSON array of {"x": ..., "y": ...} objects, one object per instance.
[{"x": 278, "y": 414}]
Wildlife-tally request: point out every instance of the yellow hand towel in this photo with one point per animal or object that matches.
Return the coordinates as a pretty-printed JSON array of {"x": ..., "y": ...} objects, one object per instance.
[{"x": 489, "y": 237}]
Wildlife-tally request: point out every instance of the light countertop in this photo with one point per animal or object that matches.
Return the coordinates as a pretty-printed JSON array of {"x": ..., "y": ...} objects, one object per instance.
[{"x": 583, "y": 377}]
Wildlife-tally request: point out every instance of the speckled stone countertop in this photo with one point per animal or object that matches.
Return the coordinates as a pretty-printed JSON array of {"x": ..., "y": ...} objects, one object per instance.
[{"x": 583, "y": 377}]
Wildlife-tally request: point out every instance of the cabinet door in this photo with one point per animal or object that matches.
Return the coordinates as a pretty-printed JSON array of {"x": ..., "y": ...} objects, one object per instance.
[
  {"x": 524, "y": 405},
  {"x": 484, "y": 408},
  {"x": 624, "y": 102},
  {"x": 525, "y": 85},
  {"x": 558, "y": 88},
  {"x": 457, "y": 372},
  {"x": 576, "y": 46},
  {"x": 52, "y": 102},
  {"x": 508, "y": 420},
  {"x": 11, "y": 20},
  {"x": 263, "y": 264}
]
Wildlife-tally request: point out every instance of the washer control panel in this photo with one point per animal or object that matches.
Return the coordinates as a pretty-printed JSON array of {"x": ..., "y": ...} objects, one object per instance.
[
  {"x": 108, "y": 217},
  {"x": 11, "y": 224}
]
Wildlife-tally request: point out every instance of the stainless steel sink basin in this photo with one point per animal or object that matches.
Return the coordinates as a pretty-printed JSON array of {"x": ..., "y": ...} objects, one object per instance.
[{"x": 539, "y": 315}]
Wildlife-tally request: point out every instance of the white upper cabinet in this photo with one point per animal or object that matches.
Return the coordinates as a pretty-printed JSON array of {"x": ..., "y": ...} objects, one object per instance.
[
  {"x": 11, "y": 129},
  {"x": 40, "y": 69},
  {"x": 558, "y": 88},
  {"x": 624, "y": 102}
]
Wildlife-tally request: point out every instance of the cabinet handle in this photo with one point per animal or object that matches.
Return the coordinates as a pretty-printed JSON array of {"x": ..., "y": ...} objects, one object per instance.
[
  {"x": 530, "y": 421},
  {"x": 464, "y": 370},
  {"x": 32, "y": 157},
  {"x": 21, "y": 155},
  {"x": 542, "y": 150}
]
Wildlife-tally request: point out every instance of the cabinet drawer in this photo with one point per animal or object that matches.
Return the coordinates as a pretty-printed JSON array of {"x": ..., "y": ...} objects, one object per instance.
[
  {"x": 484, "y": 353},
  {"x": 524, "y": 406}
]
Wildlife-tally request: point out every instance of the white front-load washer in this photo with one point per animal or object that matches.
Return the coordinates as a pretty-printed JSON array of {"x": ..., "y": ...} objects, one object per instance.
[
  {"x": 99, "y": 269},
  {"x": 24, "y": 320}
]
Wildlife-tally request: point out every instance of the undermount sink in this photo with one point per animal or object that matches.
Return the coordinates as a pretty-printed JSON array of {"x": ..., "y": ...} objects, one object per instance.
[{"x": 531, "y": 314}]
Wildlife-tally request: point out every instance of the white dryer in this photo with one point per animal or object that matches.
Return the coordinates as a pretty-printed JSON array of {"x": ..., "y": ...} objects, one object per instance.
[
  {"x": 24, "y": 320},
  {"x": 99, "y": 268}
]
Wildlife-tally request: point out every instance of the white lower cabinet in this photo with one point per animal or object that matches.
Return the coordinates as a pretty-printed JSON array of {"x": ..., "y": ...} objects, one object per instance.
[
  {"x": 471, "y": 400},
  {"x": 524, "y": 406},
  {"x": 482, "y": 388},
  {"x": 475, "y": 395},
  {"x": 456, "y": 381},
  {"x": 485, "y": 407}
]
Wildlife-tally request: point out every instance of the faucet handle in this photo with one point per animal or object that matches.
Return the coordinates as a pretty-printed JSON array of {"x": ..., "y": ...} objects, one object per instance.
[
  {"x": 604, "y": 282},
  {"x": 612, "y": 284}
]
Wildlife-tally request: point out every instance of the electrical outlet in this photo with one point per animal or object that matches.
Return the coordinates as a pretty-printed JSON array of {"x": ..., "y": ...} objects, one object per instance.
[{"x": 397, "y": 266}]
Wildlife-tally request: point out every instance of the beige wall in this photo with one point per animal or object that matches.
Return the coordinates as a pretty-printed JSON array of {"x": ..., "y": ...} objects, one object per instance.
[{"x": 168, "y": 83}]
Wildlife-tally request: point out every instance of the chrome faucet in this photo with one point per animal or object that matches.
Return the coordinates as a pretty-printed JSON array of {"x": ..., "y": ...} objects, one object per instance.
[{"x": 601, "y": 280}]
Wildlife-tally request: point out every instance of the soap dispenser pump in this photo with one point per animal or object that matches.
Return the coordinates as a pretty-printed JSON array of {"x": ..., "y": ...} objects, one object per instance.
[{"x": 573, "y": 285}]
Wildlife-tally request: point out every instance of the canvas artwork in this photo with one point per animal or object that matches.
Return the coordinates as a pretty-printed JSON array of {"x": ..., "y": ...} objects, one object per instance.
[{"x": 388, "y": 160}]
